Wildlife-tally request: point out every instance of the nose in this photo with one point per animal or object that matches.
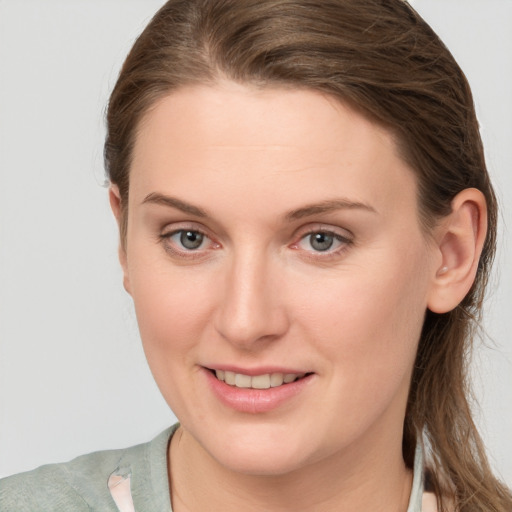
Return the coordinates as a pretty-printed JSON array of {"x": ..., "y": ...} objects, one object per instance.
[{"x": 251, "y": 309}]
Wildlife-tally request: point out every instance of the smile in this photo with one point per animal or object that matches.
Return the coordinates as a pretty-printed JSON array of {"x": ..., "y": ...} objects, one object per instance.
[
  {"x": 259, "y": 392},
  {"x": 265, "y": 381}
]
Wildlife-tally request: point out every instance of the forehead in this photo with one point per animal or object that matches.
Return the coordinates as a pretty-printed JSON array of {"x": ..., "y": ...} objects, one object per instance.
[
  {"x": 293, "y": 114},
  {"x": 244, "y": 139}
]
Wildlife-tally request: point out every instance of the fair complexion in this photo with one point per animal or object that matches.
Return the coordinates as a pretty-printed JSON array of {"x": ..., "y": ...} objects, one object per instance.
[{"x": 274, "y": 232}]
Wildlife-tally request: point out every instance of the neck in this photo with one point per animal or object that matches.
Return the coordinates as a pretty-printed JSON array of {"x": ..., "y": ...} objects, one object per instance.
[{"x": 372, "y": 476}]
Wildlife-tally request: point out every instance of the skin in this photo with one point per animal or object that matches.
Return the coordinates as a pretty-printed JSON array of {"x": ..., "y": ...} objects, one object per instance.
[{"x": 258, "y": 294}]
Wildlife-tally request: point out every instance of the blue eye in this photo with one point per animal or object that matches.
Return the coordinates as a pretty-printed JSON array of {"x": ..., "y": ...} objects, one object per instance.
[
  {"x": 188, "y": 239},
  {"x": 321, "y": 241}
]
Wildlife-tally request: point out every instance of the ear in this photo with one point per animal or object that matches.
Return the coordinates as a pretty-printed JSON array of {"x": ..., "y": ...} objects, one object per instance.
[
  {"x": 115, "y": 203},
  {"x": 460, "y": 238}
]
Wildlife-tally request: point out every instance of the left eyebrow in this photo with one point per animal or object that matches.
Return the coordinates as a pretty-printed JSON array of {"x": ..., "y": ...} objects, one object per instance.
[{"x": 327, "y": 207}]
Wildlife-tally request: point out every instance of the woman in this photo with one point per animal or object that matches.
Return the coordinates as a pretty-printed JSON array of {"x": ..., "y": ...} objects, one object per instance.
[{"x": 306, "y": 228}]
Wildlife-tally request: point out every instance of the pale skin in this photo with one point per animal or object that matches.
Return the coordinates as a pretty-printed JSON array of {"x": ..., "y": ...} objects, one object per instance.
[{"x": 309, "y": 255}]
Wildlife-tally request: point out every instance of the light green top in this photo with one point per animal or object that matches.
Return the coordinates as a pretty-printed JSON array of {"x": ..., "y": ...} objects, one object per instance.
[{"x": 135, "y": 478}]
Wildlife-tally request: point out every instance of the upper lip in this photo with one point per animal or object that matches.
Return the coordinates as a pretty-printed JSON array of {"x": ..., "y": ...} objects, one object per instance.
[{"x": 260, "y": 370}]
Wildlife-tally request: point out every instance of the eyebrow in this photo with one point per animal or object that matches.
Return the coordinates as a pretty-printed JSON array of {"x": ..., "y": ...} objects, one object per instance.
[
  {"x": 299, "y": 213},
  {"x": 327, "y": 207},
  {"x": 173, "y": 202}
]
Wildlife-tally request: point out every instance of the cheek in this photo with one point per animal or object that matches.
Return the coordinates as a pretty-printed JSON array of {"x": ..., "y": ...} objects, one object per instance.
[
  {"x": 171, "y": 307},
  {"x": 169, "y": 312},
  {"x": 368, "y": 322}
]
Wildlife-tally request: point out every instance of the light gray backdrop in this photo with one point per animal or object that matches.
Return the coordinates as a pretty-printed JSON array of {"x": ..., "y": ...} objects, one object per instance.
[{"x": 73, "y": 378}]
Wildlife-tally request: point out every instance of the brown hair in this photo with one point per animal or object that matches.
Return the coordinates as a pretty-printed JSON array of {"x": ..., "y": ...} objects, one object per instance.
[{"x": 382, "y": 58}]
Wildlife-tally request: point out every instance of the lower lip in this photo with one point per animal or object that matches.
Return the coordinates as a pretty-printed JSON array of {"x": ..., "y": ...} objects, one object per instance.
[{"x": 254, "y": 401}]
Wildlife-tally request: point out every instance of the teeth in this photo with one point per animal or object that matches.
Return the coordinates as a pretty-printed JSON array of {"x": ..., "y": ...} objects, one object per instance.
[
  {"x": 229, "y": 378},
  {"x": 242, "y": 381},
  {"x": 276, "y": 379},
  {"x": 260, "y": 381},
  {"x": 268, "y": 380}
]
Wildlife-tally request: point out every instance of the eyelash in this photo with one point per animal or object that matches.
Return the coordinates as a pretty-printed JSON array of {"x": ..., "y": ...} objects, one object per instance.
[
  {"x": 344, "y": 243},
  {"x": 193, "y": 254}
]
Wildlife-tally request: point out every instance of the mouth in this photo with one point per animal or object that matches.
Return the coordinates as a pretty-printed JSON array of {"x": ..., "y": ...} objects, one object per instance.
[
  {"x": 258, "y": 392},
  {"x": 263, "y": 381}
]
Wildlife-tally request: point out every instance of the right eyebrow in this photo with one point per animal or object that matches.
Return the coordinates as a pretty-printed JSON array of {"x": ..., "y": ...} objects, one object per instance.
[{"x": 173, "y": 202}]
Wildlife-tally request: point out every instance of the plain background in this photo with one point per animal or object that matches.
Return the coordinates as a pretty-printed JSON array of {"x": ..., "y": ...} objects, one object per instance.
[{"x": 73, "y": 378}]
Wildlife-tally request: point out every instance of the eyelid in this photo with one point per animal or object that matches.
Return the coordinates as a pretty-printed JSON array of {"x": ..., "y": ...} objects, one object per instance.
[
  {"x": 323, "y": 228},
  {"x": 172, "y": 226},
  {"x": 172, "y": 229},
  {"x": 344, "y": 236}
]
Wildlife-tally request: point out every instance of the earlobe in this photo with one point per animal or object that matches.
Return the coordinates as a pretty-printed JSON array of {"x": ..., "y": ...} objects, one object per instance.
[
  {"x": 460, "y": 238},
  {"x": 115, "y": 203}
]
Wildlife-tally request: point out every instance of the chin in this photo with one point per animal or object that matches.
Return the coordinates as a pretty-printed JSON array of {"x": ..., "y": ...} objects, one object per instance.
[
  {"x": 258, "y": 451},
  {"x": 261, "y": 463}
]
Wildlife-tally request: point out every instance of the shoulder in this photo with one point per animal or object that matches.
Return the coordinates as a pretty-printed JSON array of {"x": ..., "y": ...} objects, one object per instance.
[
  {"x": 78, "y": 485},
  {"x": 69, "y": 486}
]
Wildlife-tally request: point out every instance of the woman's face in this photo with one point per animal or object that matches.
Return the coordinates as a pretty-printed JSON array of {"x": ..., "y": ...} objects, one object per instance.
[{"x": 273, "y": 235}]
